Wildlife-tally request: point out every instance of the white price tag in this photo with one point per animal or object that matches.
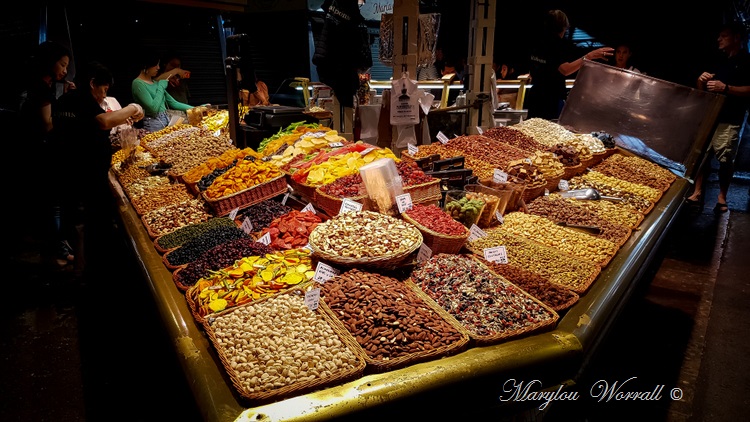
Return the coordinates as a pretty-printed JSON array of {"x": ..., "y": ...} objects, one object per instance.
[
  {"x": 309, "y": 207},
  {"x": 312, "y": 299},
  {"x": 404, "y": 202},
  {"x": 324, "y": 272},
  {"x": 500, "y": 218},
  {"x": 335, "y": 145},
  {"x": 424, "y": 253},
  {"x": 499, "y": 176},
  {"x": 247, "y": 225},
  {"x": 480, "y": 130},
  {"x": 265, "y": 239},
  {"x": 412, "y": 149},
  {"x": 563, "y": 185},
  {"x": 233, "y": 213},
  {"x": 497, "y": 254},
  {"x": 442, "y": 138},
  {"x": 367, "y": 151},
  {"x": 476, "y": 233},
  {"x": 546, "y": 192},
  {"x": 527, "y": 160},
  {"x": 285, "y": 198},
  {"x": 347, "y": 205}
]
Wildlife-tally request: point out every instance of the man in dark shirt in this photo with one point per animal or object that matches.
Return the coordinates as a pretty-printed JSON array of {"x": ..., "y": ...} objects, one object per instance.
[{"x": 730, "y": 77}]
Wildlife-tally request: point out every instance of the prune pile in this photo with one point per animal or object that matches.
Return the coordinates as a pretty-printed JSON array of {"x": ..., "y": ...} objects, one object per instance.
[
  {"x": 263, "y": 213},
  {"x": 606, "y": 138},
  {"x": 193, "y": 249},
  {"x": 220, "y": 256}
]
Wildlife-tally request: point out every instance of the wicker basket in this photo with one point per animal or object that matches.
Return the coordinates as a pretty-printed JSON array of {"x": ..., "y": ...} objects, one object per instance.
[
  {"x": 161, "y": 249},
  {"x": 572, "y": 171},
  {"x": 245, "y": 198},
  {"x": 553, "y": 180},
  {"x": 332, "y": 204},
  {"x": 170, "y": 266},
  {"x": 151, "y": 232},
  {"x": 379, "y": 366},
  {"x": 391, "y": 260},
  {"x": 176, "y": 278},
  {"x": 306, "y": 192},
  {"x": 439, "y": 242},
  {"x": 295, "y": 388},
  {"x": 533, "y": 192},
  {"x": 425, "y": 192}
]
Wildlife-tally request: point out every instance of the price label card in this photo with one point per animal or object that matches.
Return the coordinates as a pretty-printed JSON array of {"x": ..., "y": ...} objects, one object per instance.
[
  {"x": 312, "y": 299},
  {"x": 442, "y": 138},
  {"x": 527, "y": 160},
  {"x": 285, "y": 198},
  {"x": 476, "y": 233},
  {"x": 412, "y": 149},
  {"x": 424, "y": 253},
  {"x": 335, "y": 145},
  {"x": 233, "y": 213},
  {"x": 367, "y": 151},
  {"x": 324, "y": 272},
  {"x": 497, "y": 254},
  {"x": 247, "y": 225},
  {"x": 546, "y": 192},
  {"x": 347, "y": 205},
  {"x": 480, "y": 130},
  {"x": 499, "y": 217},
  {"x": 563, "y": 185},
  {"x": 265, "y": 239},
  {"x": 499, "y": 176},
  {"x": 309, "y": 207},
  {"x": 404, "y": 202}
]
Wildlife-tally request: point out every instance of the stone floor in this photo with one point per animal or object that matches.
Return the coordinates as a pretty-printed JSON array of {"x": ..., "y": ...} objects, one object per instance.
[{"x": 76, "y": 349}]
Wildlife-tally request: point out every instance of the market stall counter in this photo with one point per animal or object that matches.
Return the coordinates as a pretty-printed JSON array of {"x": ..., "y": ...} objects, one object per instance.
[{"x": 475, "y": 381}]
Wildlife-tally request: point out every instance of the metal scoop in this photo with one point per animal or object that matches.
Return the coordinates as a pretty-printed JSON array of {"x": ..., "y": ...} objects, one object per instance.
[{"x": 590, "y": 194}]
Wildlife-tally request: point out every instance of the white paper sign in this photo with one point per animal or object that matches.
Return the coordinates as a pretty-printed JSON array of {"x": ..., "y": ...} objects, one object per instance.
[
  {"x": 335, "y": 145},
  {"x": 480, "y": 130},
  {"x": 265, "y": 239},
  {"x": 476, "y": 233},
  {"x": 404, "y": 202},
  {"x": 412, "y": 149},
  {"x": 324, "y": 272},
  {"x": 247, "y": 225},
  {"x": 500, "y": 218},
  {"x": 424, "y": 253},
  {"x": 546, "y": 192},
  {"x": 285, "y": 198},
  {"x": 367, "y": 151},
  {"x": 312, "y": 299},
  {"x": 497, "y": 254},
  {"x": 309, "y": 207},
  {"x": 347, "y": 205},
  {"x": 563, "y": 185},
  {"x": 442, "y": 138},
  {"x": 233, "y": 213},
  {"x": 499, "y": 176}
]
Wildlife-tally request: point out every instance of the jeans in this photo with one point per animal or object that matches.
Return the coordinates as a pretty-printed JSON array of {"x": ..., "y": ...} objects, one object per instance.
[{"x": 156, "y": 123}]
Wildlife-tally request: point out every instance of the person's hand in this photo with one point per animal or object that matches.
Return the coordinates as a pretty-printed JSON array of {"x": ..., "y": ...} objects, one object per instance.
[
  {"x": 69, "y": 86},
  {"x": 138, "y": 115},
  {"x": 715, "y": 86},
  {"x": 705, "y": 77},
  {"x": 600, "y": 53}
]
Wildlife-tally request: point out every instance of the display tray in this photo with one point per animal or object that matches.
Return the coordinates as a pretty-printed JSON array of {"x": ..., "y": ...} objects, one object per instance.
[
  {"x": 439, "y": 242},
  {"x": 170, "y": 266},
  {"x": 320, "y": 367},
  {"x": 245, "y": 198}
]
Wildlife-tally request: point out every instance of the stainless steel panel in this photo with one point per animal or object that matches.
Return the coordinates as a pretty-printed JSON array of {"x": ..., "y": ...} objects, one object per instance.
[{"x": 665, "y": 122}]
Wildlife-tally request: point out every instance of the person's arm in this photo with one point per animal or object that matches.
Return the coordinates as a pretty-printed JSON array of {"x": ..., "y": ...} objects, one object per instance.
[
  {"x": 726, "y": 89},
  {"x": 168, "y": 74},
  {"x": 151, "y": 103},
  {"x": 129, "y": 114},
  {"x": 45, "y": 112},
  {"x": 176, "y": 105},
  {"x": 568, "y": 68}
]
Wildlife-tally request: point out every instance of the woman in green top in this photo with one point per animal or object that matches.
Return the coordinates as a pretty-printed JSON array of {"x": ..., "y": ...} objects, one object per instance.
[{"x": 150, "y": 91}]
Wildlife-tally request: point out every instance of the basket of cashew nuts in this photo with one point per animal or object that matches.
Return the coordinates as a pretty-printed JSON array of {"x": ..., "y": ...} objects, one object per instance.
[{"x": 365, "y": 238}]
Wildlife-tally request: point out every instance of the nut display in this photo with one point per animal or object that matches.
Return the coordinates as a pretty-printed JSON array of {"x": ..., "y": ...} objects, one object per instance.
[
  {"x": 567, "y": 154},
  {"x": 636, "y": 170},
  {"x": 544, "y": 131},
  {"x": 364, "y": 234},
  {"x": 171, "y": 217},
  {"x": 639, "y": 203},
  {"x": 387, "y": 318},
  {"x": 299, "y": 346},
  {"x": 641, "y": 190},
  {"x": 514, "y": 137}
]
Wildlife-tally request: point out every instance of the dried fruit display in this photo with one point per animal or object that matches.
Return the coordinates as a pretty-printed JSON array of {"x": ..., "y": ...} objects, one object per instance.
[
  {"x": 218, "y": 257},
  {"x": 246, "y": 174},
  {"x": 306, "y": 144},
  {"x": 222, "y": 161},
  {"x": 292, "y": 229},
  {"x": 250, "y": 278}
]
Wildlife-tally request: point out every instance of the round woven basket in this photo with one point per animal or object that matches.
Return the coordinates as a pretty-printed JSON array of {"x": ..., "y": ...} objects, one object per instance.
[
  {"x": 571, "y": 171},
  {"x": 390, "y": 260},
  {"x": 439, "y": 242}
]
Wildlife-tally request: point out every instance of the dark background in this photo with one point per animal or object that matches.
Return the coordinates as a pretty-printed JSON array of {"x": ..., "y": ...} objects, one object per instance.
[{"x": 671, "y": 41}]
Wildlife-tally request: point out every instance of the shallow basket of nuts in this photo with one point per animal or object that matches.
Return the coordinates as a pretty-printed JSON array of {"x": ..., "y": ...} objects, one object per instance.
[
  {"x": 365, "y": 238},
  {"x": 266, "y": 363}
]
